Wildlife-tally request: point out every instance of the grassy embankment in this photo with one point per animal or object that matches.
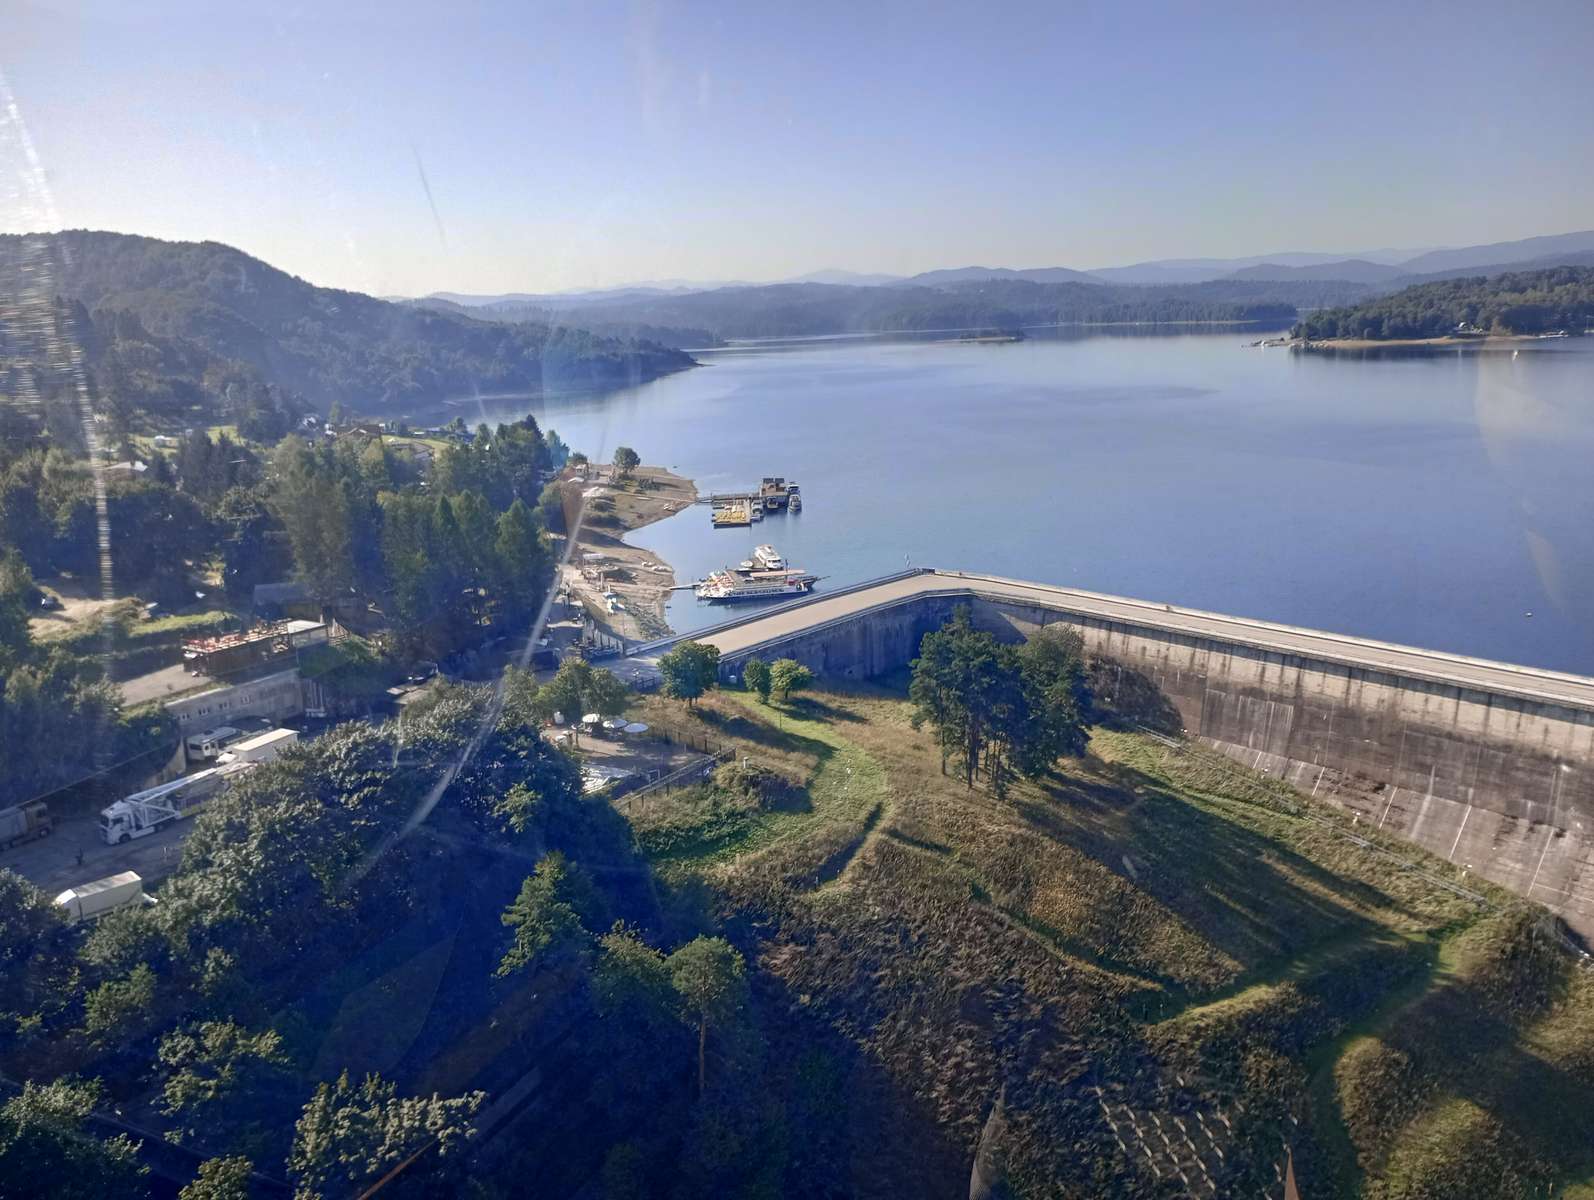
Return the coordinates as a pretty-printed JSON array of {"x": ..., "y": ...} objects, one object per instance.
[{"x": 1162, "y": 962}]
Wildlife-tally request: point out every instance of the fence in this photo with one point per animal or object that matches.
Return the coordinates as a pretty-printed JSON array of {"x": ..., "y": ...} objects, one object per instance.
[
  {"x": 701, "y": 742},
  {"x": 642, "y": 786}
]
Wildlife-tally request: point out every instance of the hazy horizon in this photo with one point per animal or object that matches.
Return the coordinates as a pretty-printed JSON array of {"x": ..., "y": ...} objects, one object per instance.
[{"x": 396, "y": 151}]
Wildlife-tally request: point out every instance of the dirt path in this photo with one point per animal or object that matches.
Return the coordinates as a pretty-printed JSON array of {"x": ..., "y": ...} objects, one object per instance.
[
  {"x": 81, "y": 604},
  {"x": 603, "y": 562}
]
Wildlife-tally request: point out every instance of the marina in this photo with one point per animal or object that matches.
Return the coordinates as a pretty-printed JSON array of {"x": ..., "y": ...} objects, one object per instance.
[{"x": 735, "y": 510}]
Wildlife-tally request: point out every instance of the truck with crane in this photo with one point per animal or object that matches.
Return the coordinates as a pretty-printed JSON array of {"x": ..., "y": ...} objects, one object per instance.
[
  {"x": 142, "y": 813},
  {"x": 154, "y": 808}
]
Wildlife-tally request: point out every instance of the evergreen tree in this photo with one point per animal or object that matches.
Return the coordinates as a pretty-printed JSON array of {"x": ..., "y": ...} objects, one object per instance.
[{"x": 709, "y": 976}]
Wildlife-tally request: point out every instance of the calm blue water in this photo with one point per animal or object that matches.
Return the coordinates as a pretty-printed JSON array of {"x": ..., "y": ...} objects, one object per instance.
[{"x": 1432, "y": 498}]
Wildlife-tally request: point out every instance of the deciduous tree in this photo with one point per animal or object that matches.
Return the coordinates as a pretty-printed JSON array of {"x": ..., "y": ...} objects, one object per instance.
[
  {"x": 755, "y": 674},
  {"x": 787, "y": 675},
  {"x": 349, "y": 1134},
  {"x": 690, "y": 670},
  {"x": 46, "y": 1149},
  {"x": 220, "y": 1179}
]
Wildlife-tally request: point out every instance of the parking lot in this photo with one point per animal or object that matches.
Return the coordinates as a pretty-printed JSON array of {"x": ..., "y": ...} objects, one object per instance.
[{"x": 74, "y": 854}]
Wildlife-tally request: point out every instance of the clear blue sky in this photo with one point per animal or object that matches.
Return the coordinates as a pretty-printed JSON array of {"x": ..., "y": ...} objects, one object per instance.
[{"x": 588, "y": 144}]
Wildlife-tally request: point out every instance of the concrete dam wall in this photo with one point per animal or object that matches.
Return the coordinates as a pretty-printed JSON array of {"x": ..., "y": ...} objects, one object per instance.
[{"x": 1486, "y": 765}]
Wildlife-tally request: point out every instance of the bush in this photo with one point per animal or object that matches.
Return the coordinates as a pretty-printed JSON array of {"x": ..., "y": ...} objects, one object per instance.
[{"x": 758, "y": 785}]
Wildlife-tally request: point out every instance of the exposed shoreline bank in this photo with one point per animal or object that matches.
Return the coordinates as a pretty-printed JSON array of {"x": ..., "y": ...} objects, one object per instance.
[
  {"x": 1445, "y": 340},
  {"x": 602, "y": 561}
]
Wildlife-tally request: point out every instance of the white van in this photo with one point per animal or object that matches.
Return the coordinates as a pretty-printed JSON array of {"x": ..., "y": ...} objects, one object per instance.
[{"x": 211, "y": 743}]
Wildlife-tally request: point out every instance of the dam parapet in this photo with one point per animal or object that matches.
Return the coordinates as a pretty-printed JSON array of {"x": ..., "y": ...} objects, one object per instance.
[{"x": 1488, "y": 765}]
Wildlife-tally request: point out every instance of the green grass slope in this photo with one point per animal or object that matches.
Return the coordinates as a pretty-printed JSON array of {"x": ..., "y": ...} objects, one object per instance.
[{"x": 1145, "y": 976}]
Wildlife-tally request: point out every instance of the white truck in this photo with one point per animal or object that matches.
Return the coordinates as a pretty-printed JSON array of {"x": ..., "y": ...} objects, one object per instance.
[
  {"x": 261, "y": 748},
  {"x": 24, "y": 822},
  {"x": 144, "y": 812},
  {"x": 90, "y": 901},
  {"x": 210, "y": 743}
]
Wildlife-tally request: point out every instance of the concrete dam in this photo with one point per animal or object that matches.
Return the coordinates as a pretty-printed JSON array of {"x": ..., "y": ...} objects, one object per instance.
[{"x": 1488, "y": 765}]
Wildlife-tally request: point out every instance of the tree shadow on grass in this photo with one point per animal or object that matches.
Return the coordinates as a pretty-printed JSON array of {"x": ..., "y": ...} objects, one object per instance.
[
  {"x": 811, "y": 708},
  {"x": 1478, "y": 1056},
  {"x": 1240, "y": 890},
  {"x": 742, "y": 728}
]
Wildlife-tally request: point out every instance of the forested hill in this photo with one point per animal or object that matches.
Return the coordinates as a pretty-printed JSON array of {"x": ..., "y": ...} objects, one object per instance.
[
  {"x": 367, "y": 354},
  {"x": 811, "y": 309},
  {"x": 1518, "y": 302}
]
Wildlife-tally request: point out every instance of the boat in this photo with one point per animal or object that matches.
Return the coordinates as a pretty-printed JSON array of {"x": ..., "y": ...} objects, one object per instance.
[
  {"x": 727, "y": 586},
  {"x": 765, "y": 558}
]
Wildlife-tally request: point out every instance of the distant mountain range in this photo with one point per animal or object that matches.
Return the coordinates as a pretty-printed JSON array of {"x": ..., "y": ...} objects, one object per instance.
[
  {"x": 1387, "y": 266},
  {"x": 188, "y": 328}
]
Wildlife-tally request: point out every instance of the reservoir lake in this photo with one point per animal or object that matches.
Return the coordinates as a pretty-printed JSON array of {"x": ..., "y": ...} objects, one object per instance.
[{"x": 1434, "y": 496}]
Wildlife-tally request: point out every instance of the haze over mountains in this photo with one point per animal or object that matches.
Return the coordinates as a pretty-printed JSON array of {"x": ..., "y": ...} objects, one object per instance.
[{"x": 1387, "y": 265}]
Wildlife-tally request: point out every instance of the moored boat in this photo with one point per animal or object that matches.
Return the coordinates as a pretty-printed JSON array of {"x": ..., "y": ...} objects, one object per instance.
[{"x": 728, "y": 586}]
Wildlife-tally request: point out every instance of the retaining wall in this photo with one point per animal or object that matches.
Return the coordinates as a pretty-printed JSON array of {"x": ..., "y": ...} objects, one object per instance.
[{"x": 1500, "y": 784}]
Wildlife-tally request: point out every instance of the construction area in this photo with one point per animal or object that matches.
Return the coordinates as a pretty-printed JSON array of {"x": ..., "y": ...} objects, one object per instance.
[{"x": 230, "y": 653}]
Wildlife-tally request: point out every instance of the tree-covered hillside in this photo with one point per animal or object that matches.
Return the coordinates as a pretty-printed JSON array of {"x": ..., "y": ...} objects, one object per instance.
[
  {"x": 326, "y": 345},
  {"x": 811, "y": 309},
  {"x": 1519, "y": 302}
]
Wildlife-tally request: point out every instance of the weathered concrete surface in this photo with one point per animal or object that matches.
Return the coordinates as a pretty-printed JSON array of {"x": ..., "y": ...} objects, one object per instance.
[
  {"x": 1486, "y": 764},
  {"x": 277, "y": 697}
]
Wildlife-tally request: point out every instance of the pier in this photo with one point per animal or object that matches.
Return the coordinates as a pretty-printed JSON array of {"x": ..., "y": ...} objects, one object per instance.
[{"x": 773, "y": 494}]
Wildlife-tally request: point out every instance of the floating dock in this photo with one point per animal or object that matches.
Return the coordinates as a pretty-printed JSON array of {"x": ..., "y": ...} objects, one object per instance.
[
  {"x": 732, "y": 515},
  {"x": 773, "y": 494}
]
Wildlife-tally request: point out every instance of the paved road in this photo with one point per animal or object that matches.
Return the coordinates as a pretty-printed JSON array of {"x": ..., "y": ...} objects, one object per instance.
[
  {"x": 1529, "y": 682},
  {"x": 157, "y": 685}
]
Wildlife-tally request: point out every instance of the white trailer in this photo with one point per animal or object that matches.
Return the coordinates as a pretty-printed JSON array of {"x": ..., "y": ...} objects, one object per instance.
[
  {"x": 90, "y": 901},
  {"x": 144, "y": 812},
  {"x": 262, "y": 748}
]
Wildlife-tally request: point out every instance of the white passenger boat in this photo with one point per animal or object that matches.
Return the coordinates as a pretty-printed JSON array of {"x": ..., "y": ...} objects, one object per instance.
[{"x": 728, "y": 586}]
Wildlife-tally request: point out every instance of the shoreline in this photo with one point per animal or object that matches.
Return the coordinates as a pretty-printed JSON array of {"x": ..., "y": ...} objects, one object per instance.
[
  {"x": 601, "y": 560},
  {"x": 1442, "y": 340}
]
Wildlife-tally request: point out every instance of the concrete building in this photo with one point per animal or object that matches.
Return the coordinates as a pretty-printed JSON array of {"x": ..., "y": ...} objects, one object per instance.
[{"x": 278, "y": 697}]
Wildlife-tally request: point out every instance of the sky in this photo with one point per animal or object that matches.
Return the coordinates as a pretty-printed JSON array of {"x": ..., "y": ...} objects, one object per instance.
[{"x": 402, "y": 148}]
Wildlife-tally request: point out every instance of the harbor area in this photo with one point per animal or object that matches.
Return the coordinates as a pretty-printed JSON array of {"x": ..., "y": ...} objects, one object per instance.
[
  {"x": 620, "y": 589},
  {"x": 774, "y": 494}
]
